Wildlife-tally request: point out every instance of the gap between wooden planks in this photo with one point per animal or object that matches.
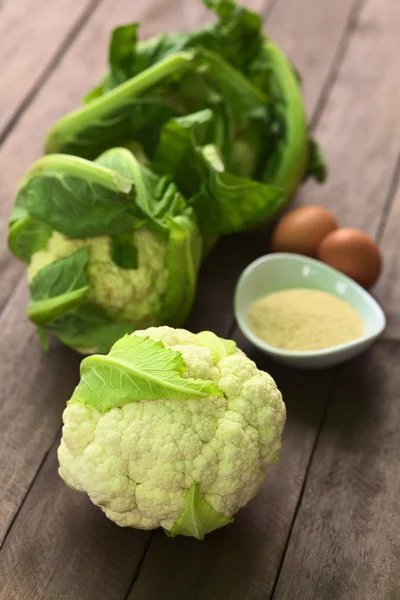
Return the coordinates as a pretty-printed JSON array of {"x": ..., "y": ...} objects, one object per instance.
[
  {"x": 388, "y": 292},
  {"x": 37, "y": 498},
  {"x": 34, "y": 35}
]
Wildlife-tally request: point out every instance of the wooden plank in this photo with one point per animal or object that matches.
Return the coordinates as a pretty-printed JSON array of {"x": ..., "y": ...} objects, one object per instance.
[
  {"x": 32, "y": 34},
  {"x": 359, "y": 129},
  {"x": 345, "y": 542},
  {"x": 313, "y": 38},
  {"x": 34, "y": 389},
  {"x": 43, "y": 557},
  {"x": 51, "y": 538},
  {"x": 345, "y": 538},
  {"x": 387, "y": 292}
]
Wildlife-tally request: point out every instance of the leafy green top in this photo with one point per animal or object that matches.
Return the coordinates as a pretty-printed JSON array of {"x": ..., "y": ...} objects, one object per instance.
[
  {"x": 137, "y": 368},
  {"x": 194, "y": 135},
  {"x": 229, "y": 68},
  {"x": 111, "y": 196},
  {"x": 59, "y": 287}
]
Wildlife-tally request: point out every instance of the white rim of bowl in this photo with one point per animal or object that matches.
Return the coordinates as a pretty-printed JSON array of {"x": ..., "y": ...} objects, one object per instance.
[{"x": 247, "y": 332}]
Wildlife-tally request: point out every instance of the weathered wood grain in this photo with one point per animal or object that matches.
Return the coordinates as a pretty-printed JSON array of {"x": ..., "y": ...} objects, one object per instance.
[
  {"x": 345, "y": 543},
  {"x": 359, "y": 129},
  {"x": 388, "y": 289},
  {"x": 34, "y": 389},
  {"x": 314, "y": 35},
  {"x": 345, "y": 539},
  {"x": 32, "y": 33},
  {"x": 43, "y": 557},
  {"x": 241, "y": 560}
]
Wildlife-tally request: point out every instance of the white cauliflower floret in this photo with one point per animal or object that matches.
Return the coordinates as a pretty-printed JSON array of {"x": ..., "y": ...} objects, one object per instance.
[
  {"x": 133, "y": 295},
  {"x": 138, "y": 461}
]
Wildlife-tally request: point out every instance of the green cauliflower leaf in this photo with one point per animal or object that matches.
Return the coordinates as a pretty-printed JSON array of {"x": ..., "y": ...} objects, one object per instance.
[
  {"x": 137, "y": 368},
  {"x": 198, "y": 517}
]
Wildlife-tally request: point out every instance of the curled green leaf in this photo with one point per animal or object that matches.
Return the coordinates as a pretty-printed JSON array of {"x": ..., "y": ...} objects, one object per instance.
[
  {"x": 219, "y": 346},
  {"x": 58, "y": 288},
  {"x": 107, "y": 120},
  {"x": 77, "y": 197},
  {"x": 27, "y": 236},
  {"x": 137, "y": 368}
]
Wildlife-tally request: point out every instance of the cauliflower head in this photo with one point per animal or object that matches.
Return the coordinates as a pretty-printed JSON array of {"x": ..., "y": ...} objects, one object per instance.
[
  {"x": 171, "y": 429},
  {"x": 128, "y": 294},
  {"x": 109, "y": 247}
]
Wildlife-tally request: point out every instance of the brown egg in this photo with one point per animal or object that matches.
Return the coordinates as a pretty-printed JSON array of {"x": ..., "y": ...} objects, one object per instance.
[
  {"x": 302, "y": 230},
  {"x": 353, "y": 253}
]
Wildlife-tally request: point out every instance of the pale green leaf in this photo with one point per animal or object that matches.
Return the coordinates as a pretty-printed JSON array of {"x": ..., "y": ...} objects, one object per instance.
[
  {"x": 198, "y": 517},
  {"x": 107, "y": 120},
  {"x": 137, "y": 368},
  {"x": 58, "y": 288},
  {"x": 223, "y": 203},
  {"x": 44, "y": 341},
  {"x": 27, "y": 236},
  {"x": 184, "y": 257},
  {"x": 77, "y": 197},
  {"x": 219, "y": 346},
  {"x": 155, "y": 196},
  {"x": 89, "y": 329}
]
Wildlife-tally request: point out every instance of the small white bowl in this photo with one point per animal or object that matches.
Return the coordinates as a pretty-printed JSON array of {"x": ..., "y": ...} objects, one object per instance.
[{"x": 281, "y": 271}]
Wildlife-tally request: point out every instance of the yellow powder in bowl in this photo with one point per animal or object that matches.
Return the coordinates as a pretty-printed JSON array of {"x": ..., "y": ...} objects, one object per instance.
[{"x": 303, "y": 319}]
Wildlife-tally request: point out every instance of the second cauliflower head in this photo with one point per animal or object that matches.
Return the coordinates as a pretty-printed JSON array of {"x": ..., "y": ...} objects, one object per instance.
[
  {"x": 129, "y": 297},
  {"x": 109, "y": 247},
  {"x": 171, "y": 429}
]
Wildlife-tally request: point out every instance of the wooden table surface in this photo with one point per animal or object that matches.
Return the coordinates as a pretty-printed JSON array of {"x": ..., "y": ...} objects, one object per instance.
[{"x": 326, "y": 523}]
